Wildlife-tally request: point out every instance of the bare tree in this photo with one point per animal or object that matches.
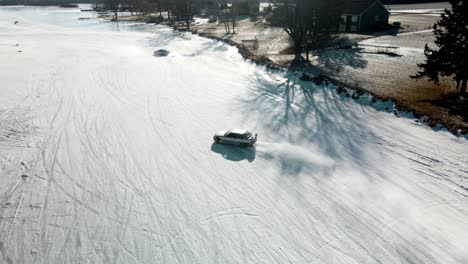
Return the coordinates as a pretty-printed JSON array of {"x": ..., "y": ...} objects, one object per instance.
[
  {"x": 323, "y": 18},
  {"x": 143, "y": 6},
  {"x": 129, "y": 5},
  {"x": 233, "y": 12},
  {"x": 224, "y": 16},
  {"x": 183, "y": 10},
  {"x": 307, "y": 22},
  {"x": 114, "y": 6},
  {"x": 228, "y": 15},
  {"x": 291, "y": 15},
  {"x": 159, "y": 7}
]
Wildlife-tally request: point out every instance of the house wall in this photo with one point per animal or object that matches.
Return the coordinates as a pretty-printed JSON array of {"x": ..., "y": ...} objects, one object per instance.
[
  {"x": 372, "y": 19},
  {"x": 375, "y": 18},
  {"x": 350, "y": 23}
]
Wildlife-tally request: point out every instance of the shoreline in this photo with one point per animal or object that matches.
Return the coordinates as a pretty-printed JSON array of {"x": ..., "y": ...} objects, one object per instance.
[
  {"x": 400, "y": 106},
  {"x": 434, "y": 119}
]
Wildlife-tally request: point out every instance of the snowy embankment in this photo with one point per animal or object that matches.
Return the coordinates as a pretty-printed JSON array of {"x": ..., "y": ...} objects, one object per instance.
[{"x": 107, "y": 156}]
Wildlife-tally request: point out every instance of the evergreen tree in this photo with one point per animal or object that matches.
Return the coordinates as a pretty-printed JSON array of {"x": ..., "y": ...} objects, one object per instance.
[{"x": 450, "y": 59}]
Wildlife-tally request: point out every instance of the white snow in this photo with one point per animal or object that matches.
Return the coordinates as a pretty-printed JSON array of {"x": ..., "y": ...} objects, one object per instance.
[
  {"x": 117, "y": 148},
  {"x": 419, "y": 11},
  {"x": 422, "y": 8}
]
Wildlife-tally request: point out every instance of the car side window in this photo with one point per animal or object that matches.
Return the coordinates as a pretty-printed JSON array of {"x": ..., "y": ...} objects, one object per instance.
[{"x": 236, "y": 136}]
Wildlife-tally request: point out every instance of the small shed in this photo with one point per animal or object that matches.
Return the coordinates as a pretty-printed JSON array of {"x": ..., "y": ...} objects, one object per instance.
[{"x": 364, "y": 16}]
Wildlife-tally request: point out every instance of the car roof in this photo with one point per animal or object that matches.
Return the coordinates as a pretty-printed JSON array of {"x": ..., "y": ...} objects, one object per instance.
[{"x": 239, "y": 131}]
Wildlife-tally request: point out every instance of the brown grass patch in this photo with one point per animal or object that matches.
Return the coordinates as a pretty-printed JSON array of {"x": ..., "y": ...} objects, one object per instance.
[{"x": 440, "y": 103}]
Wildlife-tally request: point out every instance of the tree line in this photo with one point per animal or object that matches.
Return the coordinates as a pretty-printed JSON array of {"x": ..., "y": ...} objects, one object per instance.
[
  {"x": 307, "y": 22},
  {"x": 310, "y": 22},
  {"x": 176, "y": 10}
]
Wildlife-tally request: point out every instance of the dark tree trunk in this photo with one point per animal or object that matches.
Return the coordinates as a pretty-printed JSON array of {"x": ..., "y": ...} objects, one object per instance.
[
  {"x": 233, "y": 24},
  {"x": 297, "y": 47},
  {"x": 463, "y": 87},
  {"x": 226, "y": 19},
  {"x": 225, "y": 27}
]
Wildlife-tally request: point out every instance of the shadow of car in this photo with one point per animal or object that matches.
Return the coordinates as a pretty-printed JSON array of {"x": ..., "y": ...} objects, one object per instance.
[{"x": 234, "y": 153}]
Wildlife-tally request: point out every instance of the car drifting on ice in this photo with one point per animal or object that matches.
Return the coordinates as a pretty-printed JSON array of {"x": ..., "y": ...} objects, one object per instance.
[{"x": 240, "y": 137}]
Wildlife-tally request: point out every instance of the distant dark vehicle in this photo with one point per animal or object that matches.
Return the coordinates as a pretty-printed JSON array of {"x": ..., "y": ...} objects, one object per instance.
[
  {"x": 69, "y": 5},
  {"x": 16, "y": 22},
  {"x": 86, "y": 10},
  {"x": 236, "y": 137},
  {"x": 212, "y": 19},
  {"x": 161, "y": 53},
  {"x": 397, "y": 24}
]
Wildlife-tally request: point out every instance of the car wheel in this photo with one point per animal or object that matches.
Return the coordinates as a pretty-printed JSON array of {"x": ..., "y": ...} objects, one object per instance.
[
  {"x": 216, "y": 140},
  {"x": 244, "y": 145}
]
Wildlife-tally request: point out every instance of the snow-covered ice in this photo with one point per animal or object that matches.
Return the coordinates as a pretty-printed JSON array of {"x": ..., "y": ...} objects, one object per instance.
[{"x": 120, "y": 166}]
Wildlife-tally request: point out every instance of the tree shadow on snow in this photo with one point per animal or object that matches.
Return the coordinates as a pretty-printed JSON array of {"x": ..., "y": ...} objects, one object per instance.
[
  {"x": 333, "y": 61},
  {"x": 341, "y": 52},
  {"x": 164, "y": 38},
  {"x": 322, "y": 129},
  {"x": 307, "y": 114},
  {"x": 210, "y": 46}
]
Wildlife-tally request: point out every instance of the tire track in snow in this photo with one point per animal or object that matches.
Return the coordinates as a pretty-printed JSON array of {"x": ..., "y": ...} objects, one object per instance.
[
  {"x": 43, "y": 218},
  {"x": 49, "y": 172},
  {"x": 235, "y": 211},
  {"x": 382, "y": 139},
  {"x": 121, "y": 232}
]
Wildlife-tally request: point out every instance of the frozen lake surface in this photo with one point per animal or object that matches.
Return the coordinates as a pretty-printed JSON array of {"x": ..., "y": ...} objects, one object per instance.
[{"x": 106, "y": 156}]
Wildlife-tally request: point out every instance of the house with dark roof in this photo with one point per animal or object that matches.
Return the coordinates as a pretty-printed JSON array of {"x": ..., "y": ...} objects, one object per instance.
[{"x": 364, "y": 16}]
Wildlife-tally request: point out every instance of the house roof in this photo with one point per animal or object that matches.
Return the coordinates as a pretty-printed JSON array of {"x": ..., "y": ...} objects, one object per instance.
[{"x": 356, "y": 7}]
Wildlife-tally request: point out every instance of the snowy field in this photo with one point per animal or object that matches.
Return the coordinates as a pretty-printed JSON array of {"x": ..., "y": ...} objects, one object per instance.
[
  {"x": 106, "y": 156},
  {"x": 424, "y": 8}
]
